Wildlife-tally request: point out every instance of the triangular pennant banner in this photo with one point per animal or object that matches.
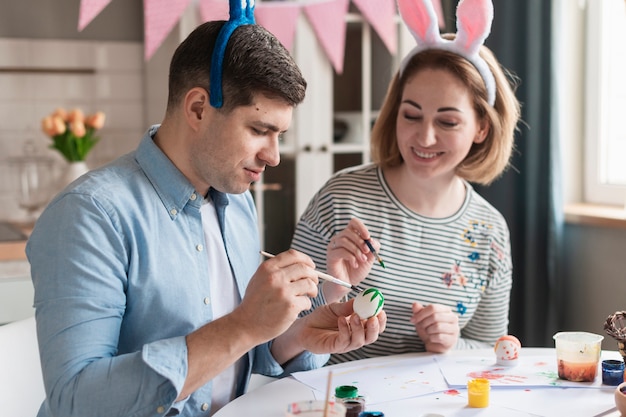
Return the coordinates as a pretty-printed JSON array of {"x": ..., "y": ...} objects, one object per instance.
[
  {"x": 280, "y": 19},
  {"x": 214, "y": 10},
  {"x": 381, "y": 15},
  {"x": 89, "y": 9},
  {"x": 160, "y": 17},
  {"x": 328, "y": 20}
]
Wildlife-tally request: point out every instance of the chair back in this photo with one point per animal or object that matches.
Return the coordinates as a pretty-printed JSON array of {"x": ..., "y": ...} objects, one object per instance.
[{"x": 21, "y": 381}]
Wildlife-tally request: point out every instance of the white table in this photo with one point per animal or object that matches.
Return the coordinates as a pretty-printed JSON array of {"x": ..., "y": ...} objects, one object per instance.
[{"x": 270, "y": 400}]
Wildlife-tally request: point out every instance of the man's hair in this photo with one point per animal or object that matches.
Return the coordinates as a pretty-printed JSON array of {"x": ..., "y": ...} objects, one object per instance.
[
  {"x": 485, "y": 161},
  {"x": 254, "y": 62}
]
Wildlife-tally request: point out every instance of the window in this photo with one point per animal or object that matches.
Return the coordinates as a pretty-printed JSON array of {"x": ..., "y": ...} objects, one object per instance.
[{"x": 605, "y": 103}]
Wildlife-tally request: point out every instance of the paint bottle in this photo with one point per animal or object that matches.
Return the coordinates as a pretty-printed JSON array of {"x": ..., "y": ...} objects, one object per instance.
[
  {"x": 348, "y": 395},
  {"x": 478, "y": 393},
  {"x": 612, "y": 372}
]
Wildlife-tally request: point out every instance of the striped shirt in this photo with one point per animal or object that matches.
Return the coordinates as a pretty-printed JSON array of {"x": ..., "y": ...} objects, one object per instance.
[{"x": 462, "y": 261}]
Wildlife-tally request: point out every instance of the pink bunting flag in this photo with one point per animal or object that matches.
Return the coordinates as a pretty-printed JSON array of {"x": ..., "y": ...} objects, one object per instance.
[
  {"x": 328, "y": 19},
  {"x": 89, "y": 9},
  {"x": 280, "y": 19},
  {"x": 381, "y": 15},
  {"x": 160, "y": 17},
  {"x": 214, "y": 10}
]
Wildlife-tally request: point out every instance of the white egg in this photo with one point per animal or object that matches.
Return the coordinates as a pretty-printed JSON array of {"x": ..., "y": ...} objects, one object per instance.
[{"x": 368, "y": 303}]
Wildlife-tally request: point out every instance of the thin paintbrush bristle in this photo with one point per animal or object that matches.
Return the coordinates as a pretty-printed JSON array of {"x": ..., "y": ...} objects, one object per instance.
[
  {"x": 356, "y": 289},
  {"x": 371, "y": 248}
]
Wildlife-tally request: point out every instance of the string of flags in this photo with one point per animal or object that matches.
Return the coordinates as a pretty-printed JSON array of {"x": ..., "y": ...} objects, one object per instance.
[{"x": 326, "y": 17}]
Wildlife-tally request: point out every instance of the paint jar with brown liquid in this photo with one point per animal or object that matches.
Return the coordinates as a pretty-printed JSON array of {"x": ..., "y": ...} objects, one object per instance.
[{"x": 348, "y": 396}]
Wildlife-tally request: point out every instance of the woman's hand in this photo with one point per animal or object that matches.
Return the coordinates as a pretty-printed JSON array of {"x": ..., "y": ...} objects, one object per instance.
[
  {"x": 437, "y": 326},
  {"x": 348, "y": 258}
]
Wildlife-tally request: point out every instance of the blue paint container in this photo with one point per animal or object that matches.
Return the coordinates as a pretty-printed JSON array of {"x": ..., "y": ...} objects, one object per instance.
[{"x": 612, "y": 372}]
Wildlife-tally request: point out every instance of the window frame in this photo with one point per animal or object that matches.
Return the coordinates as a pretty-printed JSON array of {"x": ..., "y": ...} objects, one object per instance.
[{"x": 598, "y": 58}]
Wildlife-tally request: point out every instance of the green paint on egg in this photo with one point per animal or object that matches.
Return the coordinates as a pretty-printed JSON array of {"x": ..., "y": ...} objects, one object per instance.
[{"x": 368, "y": 303}]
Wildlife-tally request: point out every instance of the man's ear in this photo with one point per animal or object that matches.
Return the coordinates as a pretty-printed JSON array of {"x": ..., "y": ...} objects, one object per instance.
[{"x": 196, "y": 103}]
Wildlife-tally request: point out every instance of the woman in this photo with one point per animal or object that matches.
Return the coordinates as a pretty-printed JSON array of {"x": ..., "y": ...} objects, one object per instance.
[{"x": 448, "y": 119}]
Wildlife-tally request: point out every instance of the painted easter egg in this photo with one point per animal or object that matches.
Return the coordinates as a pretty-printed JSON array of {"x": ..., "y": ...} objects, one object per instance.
[
  {"x": 368, "y": 303},
  {"x": 507, "y": 350}
]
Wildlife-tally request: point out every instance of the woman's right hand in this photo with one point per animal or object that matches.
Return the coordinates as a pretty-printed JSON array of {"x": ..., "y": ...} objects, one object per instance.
[{"x": 348, "y": 258}]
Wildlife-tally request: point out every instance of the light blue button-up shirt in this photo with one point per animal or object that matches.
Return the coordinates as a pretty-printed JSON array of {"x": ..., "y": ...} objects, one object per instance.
[{"x": 120, "y": 274}]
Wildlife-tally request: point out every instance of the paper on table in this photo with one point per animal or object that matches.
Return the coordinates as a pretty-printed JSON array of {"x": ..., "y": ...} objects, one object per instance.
[
  {"x": 531, "y": 371},
  {"x": 542, "y": 401},
  {"x": 381, "y": 379},
  {"x": 509, "y": 402}
]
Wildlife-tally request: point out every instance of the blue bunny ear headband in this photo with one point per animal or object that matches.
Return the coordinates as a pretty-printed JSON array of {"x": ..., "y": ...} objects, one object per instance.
[
  {"x": 473, "y": 21},
  {"x": 241, "y": 13}
]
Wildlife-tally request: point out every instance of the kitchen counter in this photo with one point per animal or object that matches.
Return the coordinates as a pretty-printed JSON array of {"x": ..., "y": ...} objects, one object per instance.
[{"x": 13, "y": 241}]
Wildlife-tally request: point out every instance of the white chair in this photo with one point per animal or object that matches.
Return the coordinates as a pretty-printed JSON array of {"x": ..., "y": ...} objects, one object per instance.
[{"x": 21, "y": 381}]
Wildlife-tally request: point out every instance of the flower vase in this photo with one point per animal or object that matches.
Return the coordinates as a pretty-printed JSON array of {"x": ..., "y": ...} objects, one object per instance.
[{"x": 73, "y": 170}]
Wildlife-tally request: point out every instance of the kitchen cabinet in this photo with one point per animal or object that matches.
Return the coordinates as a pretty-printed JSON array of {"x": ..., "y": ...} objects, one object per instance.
[
  {"x": 330, "y": 129},
  {"x": 16, "y": 291},
  {"x": 16, "y": 288}
]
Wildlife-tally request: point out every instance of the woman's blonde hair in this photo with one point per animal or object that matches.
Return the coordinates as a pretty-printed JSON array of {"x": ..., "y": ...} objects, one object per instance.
[{"x": 485, "y": 161}]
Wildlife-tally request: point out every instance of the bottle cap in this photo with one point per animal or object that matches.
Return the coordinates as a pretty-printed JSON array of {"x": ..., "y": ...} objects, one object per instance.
[{"x": 346, "y": 391}]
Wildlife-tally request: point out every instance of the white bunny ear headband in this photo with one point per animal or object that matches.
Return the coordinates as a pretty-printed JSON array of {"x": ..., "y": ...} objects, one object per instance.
[{"x": 473, "y": 21}]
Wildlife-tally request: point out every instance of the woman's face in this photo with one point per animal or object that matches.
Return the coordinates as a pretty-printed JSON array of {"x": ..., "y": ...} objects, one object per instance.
[{"x": 436, "y": 124}]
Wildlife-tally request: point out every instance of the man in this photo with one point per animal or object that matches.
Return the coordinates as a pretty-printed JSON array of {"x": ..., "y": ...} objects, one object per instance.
[{"x": 149, "y": 296}]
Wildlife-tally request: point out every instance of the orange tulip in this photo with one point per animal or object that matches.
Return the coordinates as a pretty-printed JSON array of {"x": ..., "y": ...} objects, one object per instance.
[
  {"x": 76, "y": 115},
  {"x": 58, "y": 126},
  {"x": 78, "y": 128},
  {"x": 60, "y": 112},
  {"x": 95, "y": 120},
  {"x": 47, "y": 126}
]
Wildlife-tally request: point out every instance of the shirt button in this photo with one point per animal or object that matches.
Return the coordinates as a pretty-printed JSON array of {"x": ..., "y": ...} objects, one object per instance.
[
  {"x": 204, "y": 406},
  {"x": 173, "y": 212},
  {"x": 193, "y": 197},
  {"x": 160, "y": 409},
  {"x": 207, "y": 300},
  {"x": 199, "y": 248}
]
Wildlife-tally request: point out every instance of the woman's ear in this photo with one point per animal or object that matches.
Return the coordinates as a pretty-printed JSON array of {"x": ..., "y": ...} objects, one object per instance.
[
  {"x": 196, "y": 102},
  {"x": 483, "y": 131}
]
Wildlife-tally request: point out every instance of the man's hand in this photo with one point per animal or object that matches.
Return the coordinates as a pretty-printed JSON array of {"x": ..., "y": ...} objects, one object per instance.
[
  {"x": 277, "y": 293},
  {"x": 331, "y": 328}
]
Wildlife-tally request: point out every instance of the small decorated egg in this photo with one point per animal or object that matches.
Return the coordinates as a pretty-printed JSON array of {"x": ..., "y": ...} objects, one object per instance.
[
  {"x": 368, "y": 303},
  {"x": 507, "y": 350}
]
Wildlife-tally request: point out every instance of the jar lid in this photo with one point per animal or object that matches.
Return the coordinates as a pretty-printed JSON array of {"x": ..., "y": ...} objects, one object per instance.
[{"x": 346, "y": 391}]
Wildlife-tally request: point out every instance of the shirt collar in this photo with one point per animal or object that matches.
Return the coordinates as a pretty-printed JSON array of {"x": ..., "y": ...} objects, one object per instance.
[{"x": 172, "y": 187}]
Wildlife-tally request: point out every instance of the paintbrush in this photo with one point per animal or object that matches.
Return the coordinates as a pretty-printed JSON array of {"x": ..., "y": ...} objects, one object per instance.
[
  {"x": 380, "y": 260},
  {"x": 327, "y": 399},
  {"x": 326, "y": 277}
]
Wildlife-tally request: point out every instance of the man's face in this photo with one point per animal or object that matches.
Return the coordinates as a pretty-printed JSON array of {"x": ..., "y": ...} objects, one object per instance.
[{"x": 233, "y": 149}]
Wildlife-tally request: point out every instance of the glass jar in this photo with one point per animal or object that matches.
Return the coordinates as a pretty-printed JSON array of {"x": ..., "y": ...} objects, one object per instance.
[
  {"x": 348, "y": 395},
  {"x": 612, "y": 372}
]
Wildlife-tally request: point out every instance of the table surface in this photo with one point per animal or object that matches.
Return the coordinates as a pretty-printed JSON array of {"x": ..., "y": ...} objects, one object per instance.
[{"x": 271, "y": 400}]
